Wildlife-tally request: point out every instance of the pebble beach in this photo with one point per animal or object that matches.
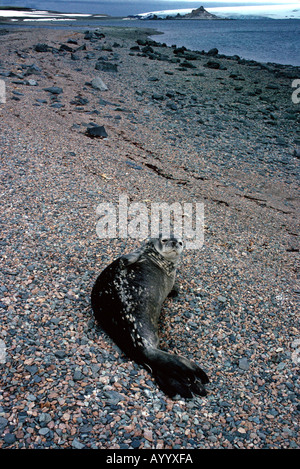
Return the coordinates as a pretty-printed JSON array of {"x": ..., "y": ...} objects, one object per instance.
[{"x": 90, "y": 116}]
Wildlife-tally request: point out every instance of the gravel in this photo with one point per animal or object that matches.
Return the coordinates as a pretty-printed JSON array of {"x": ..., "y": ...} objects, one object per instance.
[{"x": 222, "y": 136}]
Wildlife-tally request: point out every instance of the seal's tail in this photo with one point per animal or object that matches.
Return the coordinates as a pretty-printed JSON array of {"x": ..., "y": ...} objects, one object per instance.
[{"x": 175, "y": 374}]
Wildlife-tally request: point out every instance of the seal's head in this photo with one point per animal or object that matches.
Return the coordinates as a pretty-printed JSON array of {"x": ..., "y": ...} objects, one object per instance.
[{"x": 169, "y": 247}]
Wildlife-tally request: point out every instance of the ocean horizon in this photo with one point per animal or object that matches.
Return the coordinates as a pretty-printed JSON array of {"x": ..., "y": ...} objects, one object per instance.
[
  {"x": 134, "y": 7},
  {"x": 263, "y": 40}
]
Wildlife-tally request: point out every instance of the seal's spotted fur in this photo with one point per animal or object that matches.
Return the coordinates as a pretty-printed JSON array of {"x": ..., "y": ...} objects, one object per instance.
[{"x": 127, "y": 298}]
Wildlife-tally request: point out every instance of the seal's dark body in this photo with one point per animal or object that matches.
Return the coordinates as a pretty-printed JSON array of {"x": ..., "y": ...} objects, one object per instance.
[{"x": 126, "y": 299}]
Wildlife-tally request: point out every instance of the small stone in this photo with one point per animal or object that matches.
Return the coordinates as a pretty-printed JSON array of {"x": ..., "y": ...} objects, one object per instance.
[
  {"x": 3, "y": 423},
  {"x": 241, "y": 430},
  {"x": 114, "y": 397},
  {"x": 77, "y": 445},
  {"x": 60, "y": 353},
  {"x": 65, "y": 47},
  {"x": 54, "y": 90},
  {"x": 98, "y": 84},
  {"x": 9, "y": 438},
  {"x": 297, "y": 152},
  {"x": 244, "y": 364},
  {"x": 33, "y": 70},
  {"x": 106, "y": 66},
  {"x": 212, "y": 64},
  {"x": 148, "y": 435},
  {"x": 31, "y": 82},
  {"x": 158, "y": 97},
  {"x": 44, "y": 431},
  {"x": 222, "y": 299},
  {"x": 77, "y": 375},
  {"x": 135, "y": 444},
  {"x": 97, "y": 131},
  {"x": 213, "y": 51},
  {"x": 45, "y": 418},
  {"x": 172, "y": 106},
  {"x": 42, "y": 48}
]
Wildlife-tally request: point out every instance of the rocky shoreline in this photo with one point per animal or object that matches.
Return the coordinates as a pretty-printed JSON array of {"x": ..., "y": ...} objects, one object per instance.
[{"x": 96, "y": 114}]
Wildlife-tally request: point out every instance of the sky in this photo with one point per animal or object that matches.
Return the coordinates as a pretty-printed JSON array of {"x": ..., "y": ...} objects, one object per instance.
[{"x": 129, "y": 7}]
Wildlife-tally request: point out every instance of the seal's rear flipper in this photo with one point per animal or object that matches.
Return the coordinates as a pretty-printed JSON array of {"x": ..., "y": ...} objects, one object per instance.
[{"x": 175, "y": 374}]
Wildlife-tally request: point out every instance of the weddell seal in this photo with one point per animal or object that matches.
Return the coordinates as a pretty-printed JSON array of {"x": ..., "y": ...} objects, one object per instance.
[{"x": 127, "y": 298}]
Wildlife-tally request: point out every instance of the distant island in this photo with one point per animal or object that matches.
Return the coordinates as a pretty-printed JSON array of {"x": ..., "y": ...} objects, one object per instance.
[{"x": 197, "y": 14}]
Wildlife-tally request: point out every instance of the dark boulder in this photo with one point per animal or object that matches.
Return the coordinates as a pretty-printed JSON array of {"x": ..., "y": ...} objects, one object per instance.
[
  {"x": 212, "y": 64},
  {"x": 96, "y": 131},
  {"x": 42, "y": 48},
  {"x": 213, "y": 52},
  {"x": 54, "y": 90},
  {"x": 65, "y": 47},
  {"x": 106, "y": 66}
]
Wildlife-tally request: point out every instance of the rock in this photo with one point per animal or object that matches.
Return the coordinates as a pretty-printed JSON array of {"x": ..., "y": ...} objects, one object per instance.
[
  {"x": 158, "y": 97},
  {"x": 179, "y": 50},
  {"x": 17, "y": 93},
  {"x": 77, "y": 375},
  {"x": 147, "y": 49},
  {"x": 89, "y": 35},
  {"x": 96, "y": 131},
  {"x": 148, "y": 435},
  {"x": 3, "y": 423},
  {"x": 44, "y": 431},
  {"x": 106, "y": 66},
  {"x": 42, "y": 48},
  {"x": 9, "y": 438},
  {"x": 190, "y": 56},
  {"x": 76, "y": 444},
  {"x": 79, "y": 101},
  {"x": 44, "y": 419},
  {"x": 135, "y": 443},
  {"x": 222, "y": 299},
  {"x": 141, "y": 42},
  {"x": 297, "y": 152},
  {"x": 212, "y": 64},
  {"x": 83, "y": 47},
  {"x": 32, "y": 70},
  {"x": 60, "y": 354},
  {"x": 98, "y": 84},
  {"x": 172, "y": 106},
  {"x": 54, "y": 90},
  {"x": 133, "y": 165},
  {"x": 57, "y": 105},
  {"x": 213, "y": 52},
  {"x": 107, "y": 47},
  {"x": 187, "y": 64},
  {"x": 31, "y": 82},
  {"x": 244, "y": 364},
  {"x": 65, "y": 47},
  {"x": 113, "y": 397}
]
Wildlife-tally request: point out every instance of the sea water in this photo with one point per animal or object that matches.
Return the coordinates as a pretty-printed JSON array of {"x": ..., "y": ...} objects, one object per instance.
[
  {"x": 263, "y": 40},
  {"x": 275, "y": 41}
]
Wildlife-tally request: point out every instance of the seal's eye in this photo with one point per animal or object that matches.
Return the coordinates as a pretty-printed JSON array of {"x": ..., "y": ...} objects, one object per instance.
[
  {"x": 164, "y": 240},
  {"x": 180, "y": 243}
]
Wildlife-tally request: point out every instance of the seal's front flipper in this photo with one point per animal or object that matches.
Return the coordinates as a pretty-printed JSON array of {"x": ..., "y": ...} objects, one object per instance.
[
  {"x": 131, "y": 257},
  {"x": 174, "y": 292}
]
